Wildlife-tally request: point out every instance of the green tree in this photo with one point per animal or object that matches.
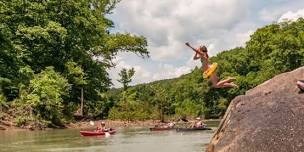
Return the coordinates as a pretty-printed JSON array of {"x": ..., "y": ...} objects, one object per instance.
[
  {"x": 38, "y": 34},
  {"x": 126, "y": 77},
  {"x": 161, "y": 101},
  {"x": 2, "y": 102},
  {"x": 76, "y": 76},
  {"x": 189, "y": 108},
  {"x": 126, "y": 107}
]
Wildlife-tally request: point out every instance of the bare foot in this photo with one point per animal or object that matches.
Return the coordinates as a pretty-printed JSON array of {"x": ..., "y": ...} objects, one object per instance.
[
  {"x": 234, "y": 85},
  {"x": 231, "y": 78}
]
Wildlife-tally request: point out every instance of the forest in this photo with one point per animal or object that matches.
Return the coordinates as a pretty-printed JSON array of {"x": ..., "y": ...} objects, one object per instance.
[{"x": 54, "y": 53}]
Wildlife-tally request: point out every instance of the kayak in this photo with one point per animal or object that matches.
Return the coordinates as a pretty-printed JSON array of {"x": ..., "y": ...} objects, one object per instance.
[
  {"x": 97, "y": 132},
  {"x": 192, "y": 129},
  {"x": 160, "y": 129}
]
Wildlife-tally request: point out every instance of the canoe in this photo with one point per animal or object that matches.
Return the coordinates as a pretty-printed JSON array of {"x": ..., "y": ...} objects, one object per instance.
[
  {"x": 160, "y": 129},
  {"x": 97, "y": 133},
  {"x": 192, "y": 129}
]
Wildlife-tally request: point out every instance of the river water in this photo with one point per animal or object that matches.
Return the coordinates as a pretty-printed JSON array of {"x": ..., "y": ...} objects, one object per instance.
[{"x": 125, "y": 140}]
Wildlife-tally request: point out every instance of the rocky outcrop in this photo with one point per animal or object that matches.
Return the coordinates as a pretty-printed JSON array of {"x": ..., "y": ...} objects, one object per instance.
[{"x": 268, "y": 118}]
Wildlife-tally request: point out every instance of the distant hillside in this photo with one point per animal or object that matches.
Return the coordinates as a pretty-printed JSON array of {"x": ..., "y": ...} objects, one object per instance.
[{"x": 271, "y": 50}]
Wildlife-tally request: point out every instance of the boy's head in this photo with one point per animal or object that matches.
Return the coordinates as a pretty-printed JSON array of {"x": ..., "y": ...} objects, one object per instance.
[{"x": 203, "y": 48}]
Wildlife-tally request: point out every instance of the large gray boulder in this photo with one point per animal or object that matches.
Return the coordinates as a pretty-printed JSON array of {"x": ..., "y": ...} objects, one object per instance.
[{"x": 268, "y": 118}]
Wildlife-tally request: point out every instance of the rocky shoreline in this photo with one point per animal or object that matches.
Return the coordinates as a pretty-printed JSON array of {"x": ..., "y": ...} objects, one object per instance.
[
  {"x": 268, "y": 117},
  {"x": 9, "y": 126},
  {"x": 6, "y": 125},
  {"x": 113, "y": 124}
]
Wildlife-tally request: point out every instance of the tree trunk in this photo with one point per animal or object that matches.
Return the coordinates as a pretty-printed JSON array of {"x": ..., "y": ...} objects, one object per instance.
[
  {"x": 161, "y": 114},
  {"x": 81, "y": 100}
]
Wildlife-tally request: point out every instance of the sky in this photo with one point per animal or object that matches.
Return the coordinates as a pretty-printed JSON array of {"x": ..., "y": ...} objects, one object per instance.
[{"x": 168, "y": 24}]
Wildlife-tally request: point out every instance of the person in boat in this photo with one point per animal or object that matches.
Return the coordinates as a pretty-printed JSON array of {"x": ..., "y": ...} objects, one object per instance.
[
  {"x": 169, "y": 125},
  {"x": 102, "y": 127},
  {"x": 300, "y": 84},
  {"x": 202, "y": 54},
  {"x": 198, "y": 123}
]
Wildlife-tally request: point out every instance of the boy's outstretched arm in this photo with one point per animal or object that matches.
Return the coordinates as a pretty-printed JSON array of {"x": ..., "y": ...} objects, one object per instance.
[
  {"x": 197, "y": 52},
  {"x": 196, "y": 56}
]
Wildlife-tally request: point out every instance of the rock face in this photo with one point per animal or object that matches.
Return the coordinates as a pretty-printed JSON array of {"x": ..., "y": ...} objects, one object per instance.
[{"x": 268, "y": 118}]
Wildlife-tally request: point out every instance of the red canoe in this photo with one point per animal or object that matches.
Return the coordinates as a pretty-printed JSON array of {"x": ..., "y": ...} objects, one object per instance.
[{"x": 97, "y": 133}]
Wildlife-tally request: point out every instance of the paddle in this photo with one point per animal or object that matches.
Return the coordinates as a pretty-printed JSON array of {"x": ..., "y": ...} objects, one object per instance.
[
  {"x": 187, "y": 44},
  {"x": 92, "y": 123},
  {"x": 107, "y": 134}
]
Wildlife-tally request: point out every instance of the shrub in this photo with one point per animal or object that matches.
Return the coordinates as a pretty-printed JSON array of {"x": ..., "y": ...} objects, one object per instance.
[
  {"x": 21, "y": 121},
  {"x": 45, "y": 96}
]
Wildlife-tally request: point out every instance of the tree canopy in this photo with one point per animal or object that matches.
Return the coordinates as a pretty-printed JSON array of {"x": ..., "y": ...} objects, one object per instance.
[{"x": 73, "y": 38}]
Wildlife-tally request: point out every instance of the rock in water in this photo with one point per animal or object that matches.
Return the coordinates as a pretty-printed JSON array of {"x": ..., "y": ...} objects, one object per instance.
[{"x": 268, "y": 118}]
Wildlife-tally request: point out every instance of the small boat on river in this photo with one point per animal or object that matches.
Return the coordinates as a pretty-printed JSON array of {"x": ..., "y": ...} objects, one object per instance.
[
  {"x": 160, "y": 129},
  {"x": 192, "y": 129},
  {"x": 97, "y": 132}
]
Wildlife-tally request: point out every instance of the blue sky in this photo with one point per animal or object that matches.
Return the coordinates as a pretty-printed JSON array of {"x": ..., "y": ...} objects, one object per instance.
[{"x": 168, "y": 24}]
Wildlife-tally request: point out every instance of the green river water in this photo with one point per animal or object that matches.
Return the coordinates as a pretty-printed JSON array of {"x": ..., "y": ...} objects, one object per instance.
[{"x": 125, "y": 140}]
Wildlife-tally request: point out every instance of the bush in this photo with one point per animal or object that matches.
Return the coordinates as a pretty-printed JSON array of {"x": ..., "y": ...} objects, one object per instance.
[
  {"x": 189, "y": 108},
  {"x": 45, "y": 96},
  {"x": 129, "y": 109},
  {"x": 2, "y": 99},
  {"x": 21, "y": 121},
  {"x": 2, "y": 102}
]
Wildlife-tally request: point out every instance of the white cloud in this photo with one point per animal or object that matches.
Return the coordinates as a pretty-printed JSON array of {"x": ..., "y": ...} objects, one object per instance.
[
  {"x": 270, "y": 15},
  {"x": 271, "y": 11},
  {"x": 242, "y": 38},
  {"x": 168, "y": 24},
  {"x": 291, "y": 16},
  {"x": 142, "y": 74},
  {"x": 170, "y": 71}
]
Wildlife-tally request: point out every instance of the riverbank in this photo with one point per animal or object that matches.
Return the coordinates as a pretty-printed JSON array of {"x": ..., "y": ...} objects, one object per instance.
[
  {"x": 113, "y": 124},
  {"x": 14, "y": 118},
  {"x": 10, "y": 125}
]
